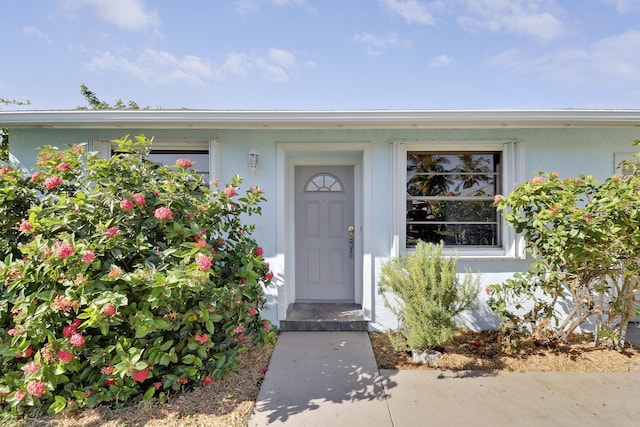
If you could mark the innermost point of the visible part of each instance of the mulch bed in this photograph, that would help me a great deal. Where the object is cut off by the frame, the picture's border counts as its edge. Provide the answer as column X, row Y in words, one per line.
column 483, row 351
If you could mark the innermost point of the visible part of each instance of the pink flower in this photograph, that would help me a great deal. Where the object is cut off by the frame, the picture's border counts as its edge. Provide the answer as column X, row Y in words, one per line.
column 62, row 249
column 497, row 198
column 107, row 370
column 140, row 376
column 5, row 170
column 126, row 204
column 183, row 380
column 157, row 385
column 109, row 310
column 185, row 163
column 259, row 251
column 163, row 213
column 77, row 340
column 255, row 189
column 63, row 304
column 487, row 290
column 239, row 329
column 253, row 312
column 203, row 261
column 109, row 382
column 15, row 331
column 19, row 396
column 139, row 199
column 52, row 182
column 63, row 166
column 114, row 272
column 68, row 331
column 202, row 338
column 88, row 257
column 588, row 218
column 230, row 191
column 112, row 231
column 25, row 225
column 36, row 388
column 30, row 368
column 36, row 176
column 28, row 352
column 266, row 325
column 207, row 379
column 268, row 277
column 537, row 179
column 65, row 356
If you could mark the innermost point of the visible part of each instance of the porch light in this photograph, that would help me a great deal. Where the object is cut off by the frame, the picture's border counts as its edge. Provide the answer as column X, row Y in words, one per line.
column 253, row 161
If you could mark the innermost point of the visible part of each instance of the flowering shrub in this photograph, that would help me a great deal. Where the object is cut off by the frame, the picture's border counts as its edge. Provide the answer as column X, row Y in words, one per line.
column 585, row 240
column 127, row 278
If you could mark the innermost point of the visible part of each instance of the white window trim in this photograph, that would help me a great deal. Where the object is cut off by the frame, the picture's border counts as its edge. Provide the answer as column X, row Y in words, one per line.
column 104, row 146
column 513, row 168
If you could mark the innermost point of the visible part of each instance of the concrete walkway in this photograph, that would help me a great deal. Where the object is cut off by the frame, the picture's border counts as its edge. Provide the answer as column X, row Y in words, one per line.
column 331, row 379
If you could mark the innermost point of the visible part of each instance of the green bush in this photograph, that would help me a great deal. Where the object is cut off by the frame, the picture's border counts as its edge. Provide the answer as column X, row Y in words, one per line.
column 133, row 278
column 584, row 238
column 427, row 296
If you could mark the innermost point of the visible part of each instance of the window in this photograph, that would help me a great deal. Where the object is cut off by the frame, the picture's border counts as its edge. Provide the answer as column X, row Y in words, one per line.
column 450, row 198
column 323, row 183
column 201, row 152
column 448, row 192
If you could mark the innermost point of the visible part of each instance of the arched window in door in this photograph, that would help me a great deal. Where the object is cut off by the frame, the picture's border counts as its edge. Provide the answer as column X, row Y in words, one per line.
column 323, row 182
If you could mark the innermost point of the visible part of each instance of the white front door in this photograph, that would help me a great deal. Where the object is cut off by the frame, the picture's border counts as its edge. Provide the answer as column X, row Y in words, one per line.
column 324, row 213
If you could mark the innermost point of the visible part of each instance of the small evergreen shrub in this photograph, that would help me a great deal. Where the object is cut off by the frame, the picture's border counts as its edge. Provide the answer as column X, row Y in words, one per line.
column 132, row 278
column 427, row 296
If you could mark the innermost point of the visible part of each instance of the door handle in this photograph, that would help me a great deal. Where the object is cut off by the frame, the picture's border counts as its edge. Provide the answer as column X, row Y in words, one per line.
column 350, row 231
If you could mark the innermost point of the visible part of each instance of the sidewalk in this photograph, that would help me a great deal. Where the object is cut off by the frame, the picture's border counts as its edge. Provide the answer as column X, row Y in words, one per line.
column 331, row 379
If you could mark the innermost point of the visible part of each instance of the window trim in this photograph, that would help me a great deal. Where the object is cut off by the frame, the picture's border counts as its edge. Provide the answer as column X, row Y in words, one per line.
column 513, row 167
column 104, row 146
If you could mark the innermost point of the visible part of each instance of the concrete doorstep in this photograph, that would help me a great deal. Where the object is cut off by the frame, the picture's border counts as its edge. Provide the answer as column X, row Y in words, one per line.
column 332, row 379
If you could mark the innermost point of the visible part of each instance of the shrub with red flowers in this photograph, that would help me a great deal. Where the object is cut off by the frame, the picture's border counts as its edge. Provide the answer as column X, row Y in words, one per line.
column 584, row 238
column 121, row 277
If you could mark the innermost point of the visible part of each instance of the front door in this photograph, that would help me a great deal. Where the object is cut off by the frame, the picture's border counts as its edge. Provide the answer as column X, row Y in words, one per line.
column 324, row 204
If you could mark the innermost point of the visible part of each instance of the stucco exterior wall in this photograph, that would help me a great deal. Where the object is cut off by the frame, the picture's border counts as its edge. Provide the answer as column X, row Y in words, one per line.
column 570, row 151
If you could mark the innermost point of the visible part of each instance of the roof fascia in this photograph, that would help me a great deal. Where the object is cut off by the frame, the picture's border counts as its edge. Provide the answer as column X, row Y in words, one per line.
column 358, row 119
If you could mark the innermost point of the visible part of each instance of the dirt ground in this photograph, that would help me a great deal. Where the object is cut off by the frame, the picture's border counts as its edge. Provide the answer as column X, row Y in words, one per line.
column 230, row 402
column 483, row 350
column 219, row 404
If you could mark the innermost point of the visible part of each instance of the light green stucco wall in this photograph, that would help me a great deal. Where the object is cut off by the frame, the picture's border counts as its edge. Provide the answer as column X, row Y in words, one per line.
column 570, row 151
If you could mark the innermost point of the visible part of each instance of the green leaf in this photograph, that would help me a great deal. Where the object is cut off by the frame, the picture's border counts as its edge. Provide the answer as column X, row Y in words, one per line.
column 148, row 394
column 58, row 405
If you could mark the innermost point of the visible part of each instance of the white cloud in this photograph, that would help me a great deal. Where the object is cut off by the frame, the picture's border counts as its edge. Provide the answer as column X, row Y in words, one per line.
column 39, row 34
column 277, row 65
column 287, row 2
column 609, row 62
column 532, row 18
column 625, row 6
column 238, row 64
column 129, row 15
column 412, row 11
column 156, row 67
column 441, row 61
column 374, row 45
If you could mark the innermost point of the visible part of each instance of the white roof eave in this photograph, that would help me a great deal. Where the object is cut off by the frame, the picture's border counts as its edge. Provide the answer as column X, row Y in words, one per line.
column 357, row 119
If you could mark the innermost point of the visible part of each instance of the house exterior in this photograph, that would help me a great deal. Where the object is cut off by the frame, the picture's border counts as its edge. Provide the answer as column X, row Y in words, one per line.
column 347, row 190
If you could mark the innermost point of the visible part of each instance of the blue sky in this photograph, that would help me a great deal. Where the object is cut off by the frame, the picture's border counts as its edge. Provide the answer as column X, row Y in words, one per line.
column 323, row 54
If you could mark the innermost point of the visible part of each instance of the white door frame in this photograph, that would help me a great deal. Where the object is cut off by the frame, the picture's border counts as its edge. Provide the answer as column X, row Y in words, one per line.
column 290, row 155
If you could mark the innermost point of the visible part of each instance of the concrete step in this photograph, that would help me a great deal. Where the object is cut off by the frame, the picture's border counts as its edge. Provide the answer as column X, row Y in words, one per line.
column 324, row 317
